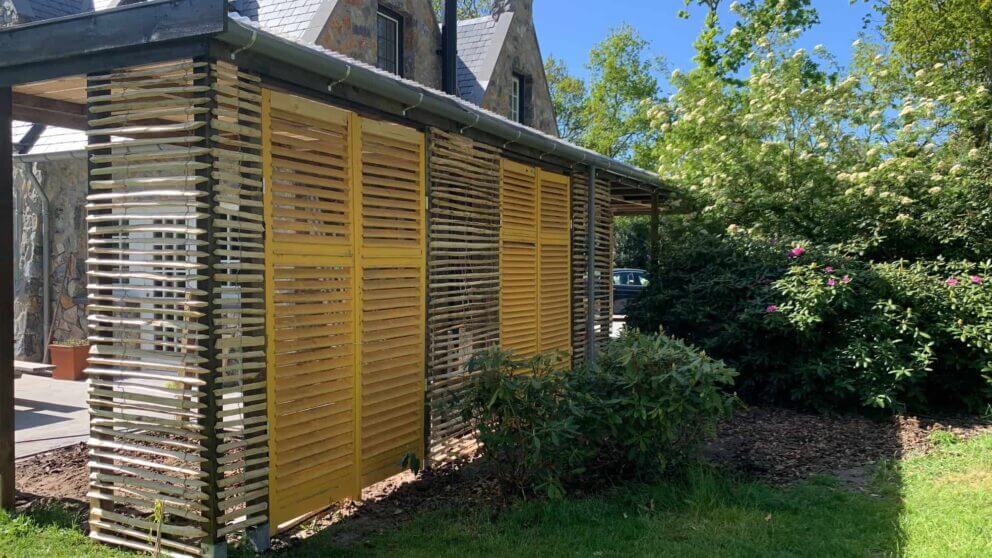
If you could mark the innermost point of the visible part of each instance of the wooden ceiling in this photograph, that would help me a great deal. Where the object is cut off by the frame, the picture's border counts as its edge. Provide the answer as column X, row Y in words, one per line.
column 58, row 102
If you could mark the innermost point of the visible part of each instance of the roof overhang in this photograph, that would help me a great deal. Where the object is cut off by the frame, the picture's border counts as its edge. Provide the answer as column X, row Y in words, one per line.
column 162, row 30
column 141, row 33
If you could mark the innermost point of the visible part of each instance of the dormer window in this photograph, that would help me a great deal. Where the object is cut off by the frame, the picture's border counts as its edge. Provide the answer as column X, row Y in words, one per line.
column 389, row 37
column 517, row 98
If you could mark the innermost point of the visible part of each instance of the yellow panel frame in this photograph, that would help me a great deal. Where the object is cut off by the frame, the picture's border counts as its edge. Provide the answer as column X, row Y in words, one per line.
column 536, row 236
column 354, row 255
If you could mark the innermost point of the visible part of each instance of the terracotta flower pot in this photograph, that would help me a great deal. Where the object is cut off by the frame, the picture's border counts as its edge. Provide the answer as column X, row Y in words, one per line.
column 69, row 361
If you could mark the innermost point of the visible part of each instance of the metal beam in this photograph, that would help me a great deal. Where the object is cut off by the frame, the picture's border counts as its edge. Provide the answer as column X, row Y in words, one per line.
column 591, row 267
column 141, row 33
column 653, row 233
column 6, row 301
column 28, row 141
column 50, row 48
column 41, row 110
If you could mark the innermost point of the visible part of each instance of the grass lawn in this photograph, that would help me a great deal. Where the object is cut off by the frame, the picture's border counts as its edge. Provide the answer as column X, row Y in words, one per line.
column 932, row 506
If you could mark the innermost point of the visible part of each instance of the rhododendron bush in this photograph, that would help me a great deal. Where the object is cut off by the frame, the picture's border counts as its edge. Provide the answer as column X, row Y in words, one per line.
column 833, row 230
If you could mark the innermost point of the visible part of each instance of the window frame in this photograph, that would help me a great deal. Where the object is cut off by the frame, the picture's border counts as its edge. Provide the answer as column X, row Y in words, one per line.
column 386, row 13
column 517, row 85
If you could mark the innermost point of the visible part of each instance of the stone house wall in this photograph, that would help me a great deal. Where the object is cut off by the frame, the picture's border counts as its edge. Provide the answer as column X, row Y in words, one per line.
column 64, row 181
column 521, row 55
column 351, row 30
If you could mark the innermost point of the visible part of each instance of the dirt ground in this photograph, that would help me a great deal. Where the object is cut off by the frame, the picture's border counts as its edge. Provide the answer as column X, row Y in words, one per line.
column 778, row 446
column 781, row 446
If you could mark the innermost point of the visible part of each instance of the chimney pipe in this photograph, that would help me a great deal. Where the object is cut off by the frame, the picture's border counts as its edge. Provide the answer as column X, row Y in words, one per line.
column 449, row 47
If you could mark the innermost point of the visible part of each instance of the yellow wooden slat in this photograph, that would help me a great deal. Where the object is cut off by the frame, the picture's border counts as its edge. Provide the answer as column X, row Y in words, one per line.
column 346, row 276
column 535, row 265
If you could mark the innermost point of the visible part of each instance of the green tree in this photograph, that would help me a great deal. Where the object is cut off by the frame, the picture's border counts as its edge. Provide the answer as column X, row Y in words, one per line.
column 955, row 34
column 467, row 9
column 728, row 52
column 622, row 89
column 568, row 96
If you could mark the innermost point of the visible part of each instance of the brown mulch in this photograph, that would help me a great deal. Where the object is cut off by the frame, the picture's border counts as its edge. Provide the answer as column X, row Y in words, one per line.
column 783, row 446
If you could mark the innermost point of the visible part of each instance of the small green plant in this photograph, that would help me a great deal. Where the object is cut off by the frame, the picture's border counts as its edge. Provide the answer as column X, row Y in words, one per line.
column 642, row 408
column 73, row 342
column 941, row 438
column 155, row 533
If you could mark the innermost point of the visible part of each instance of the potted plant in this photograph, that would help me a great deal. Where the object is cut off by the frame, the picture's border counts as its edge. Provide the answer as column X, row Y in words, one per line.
column 69, row 358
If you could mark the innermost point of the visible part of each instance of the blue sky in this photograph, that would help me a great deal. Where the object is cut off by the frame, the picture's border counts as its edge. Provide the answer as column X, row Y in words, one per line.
column 569, row 28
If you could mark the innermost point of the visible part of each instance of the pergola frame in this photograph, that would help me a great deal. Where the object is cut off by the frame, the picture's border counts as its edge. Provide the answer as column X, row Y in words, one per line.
column 163, row 30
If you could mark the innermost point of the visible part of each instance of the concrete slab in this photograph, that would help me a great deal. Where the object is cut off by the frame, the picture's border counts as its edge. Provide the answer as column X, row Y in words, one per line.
column 48, row 414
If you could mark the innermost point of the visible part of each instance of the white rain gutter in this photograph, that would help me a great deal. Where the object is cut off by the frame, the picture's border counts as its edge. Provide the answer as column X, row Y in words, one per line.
column 244, row 35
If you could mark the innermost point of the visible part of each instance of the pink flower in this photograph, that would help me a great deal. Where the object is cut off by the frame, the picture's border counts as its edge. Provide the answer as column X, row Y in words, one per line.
column 976, row 279
column 845, row 279
column 796, row 252
column 829, row 269
column 951, row 281
column 831, row 282
column 771, row 308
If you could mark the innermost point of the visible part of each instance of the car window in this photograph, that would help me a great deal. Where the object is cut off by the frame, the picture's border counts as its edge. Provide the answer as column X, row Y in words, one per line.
column 642, row 280
column 616, row 279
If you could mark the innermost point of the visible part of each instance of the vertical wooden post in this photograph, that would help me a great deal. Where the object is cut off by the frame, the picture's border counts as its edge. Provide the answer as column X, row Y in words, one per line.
column 428, row 199
column 653, row 232
column 213, row 546
column 591, row 267
column 6, row 301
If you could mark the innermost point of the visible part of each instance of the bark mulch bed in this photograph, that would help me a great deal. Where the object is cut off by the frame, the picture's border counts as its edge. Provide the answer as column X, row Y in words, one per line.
column 781, row 446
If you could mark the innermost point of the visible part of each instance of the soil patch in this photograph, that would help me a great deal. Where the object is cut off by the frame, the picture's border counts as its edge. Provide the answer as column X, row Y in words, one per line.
column 55, row 475
column 783, row 446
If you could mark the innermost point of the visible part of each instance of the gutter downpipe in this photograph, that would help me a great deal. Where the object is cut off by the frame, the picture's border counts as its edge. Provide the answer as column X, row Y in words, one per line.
column 246, row 37
column 45, row 264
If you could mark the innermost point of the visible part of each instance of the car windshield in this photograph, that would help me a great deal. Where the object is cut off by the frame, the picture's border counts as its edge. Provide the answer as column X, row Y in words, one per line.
column 630, row 278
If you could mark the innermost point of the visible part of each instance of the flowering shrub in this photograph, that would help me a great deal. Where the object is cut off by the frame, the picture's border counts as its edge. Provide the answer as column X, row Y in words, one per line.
column 642, row 408
column 829, row 331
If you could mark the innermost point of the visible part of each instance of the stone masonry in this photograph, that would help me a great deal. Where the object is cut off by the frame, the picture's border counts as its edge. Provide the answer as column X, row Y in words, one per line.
column 351, row 30
column 521, row 55
column 64, row 181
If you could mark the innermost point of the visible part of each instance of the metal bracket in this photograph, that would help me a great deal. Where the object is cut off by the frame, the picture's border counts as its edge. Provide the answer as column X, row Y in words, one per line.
column 411, row 107
column 514, row 140
column 472, row 125
column 251, row 43
column 347, row 74
column 552, row 152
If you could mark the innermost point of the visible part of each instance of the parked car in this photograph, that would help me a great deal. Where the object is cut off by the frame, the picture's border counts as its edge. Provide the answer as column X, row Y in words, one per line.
column 627, row 284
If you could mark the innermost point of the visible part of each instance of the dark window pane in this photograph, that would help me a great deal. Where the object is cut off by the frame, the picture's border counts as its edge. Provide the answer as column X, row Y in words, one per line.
column 387, row 35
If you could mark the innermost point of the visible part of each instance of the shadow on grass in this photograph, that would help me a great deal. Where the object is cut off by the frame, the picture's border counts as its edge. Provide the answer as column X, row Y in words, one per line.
column 705, row 511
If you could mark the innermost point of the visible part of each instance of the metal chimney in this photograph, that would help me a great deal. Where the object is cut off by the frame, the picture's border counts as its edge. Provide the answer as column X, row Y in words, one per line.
column 449, row 48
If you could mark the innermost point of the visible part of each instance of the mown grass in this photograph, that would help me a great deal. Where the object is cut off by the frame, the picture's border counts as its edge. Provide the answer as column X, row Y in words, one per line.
column 936, row 505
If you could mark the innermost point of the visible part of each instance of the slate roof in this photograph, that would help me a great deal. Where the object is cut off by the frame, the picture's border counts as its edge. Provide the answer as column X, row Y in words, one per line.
column 289, row 18
column 480, row 40
column 35, row 10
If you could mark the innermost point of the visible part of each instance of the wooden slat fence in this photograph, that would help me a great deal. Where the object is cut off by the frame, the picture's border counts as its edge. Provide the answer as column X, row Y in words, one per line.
column 147, row 213
column 463, row 287
column 345, row 256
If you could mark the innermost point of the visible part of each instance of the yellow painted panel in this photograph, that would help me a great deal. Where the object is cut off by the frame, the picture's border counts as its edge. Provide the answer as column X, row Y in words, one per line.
column 392, row 328
column 310, row 282
column 345, row 244
column 535, row 266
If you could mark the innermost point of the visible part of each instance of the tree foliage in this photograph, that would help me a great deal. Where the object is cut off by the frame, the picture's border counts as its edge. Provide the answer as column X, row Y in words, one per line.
column 610, row 113
column 568, row 96
column 882, row 169
column 467, row 9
